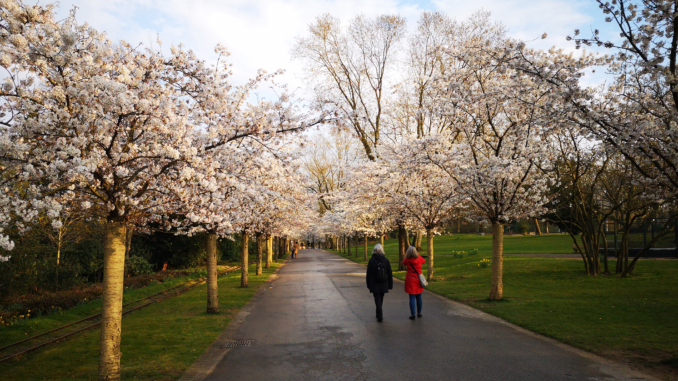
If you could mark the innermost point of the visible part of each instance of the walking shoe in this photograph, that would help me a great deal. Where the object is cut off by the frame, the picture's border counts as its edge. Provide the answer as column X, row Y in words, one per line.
column 419, row 316
column 412, row 317
column 380, row 319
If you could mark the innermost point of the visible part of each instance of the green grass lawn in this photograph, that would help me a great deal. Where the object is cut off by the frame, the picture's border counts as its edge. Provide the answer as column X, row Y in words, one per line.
column 159, row 342
column 29, row 327
column 513, row 244
column 609, row 315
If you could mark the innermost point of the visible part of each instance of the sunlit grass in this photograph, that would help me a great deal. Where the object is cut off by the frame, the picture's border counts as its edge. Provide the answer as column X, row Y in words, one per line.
column 159, row 342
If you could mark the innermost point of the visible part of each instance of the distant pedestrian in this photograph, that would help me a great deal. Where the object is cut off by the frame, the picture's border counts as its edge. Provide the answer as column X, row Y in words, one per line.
column 295, row 250
column 413, row 262
column 379, row 278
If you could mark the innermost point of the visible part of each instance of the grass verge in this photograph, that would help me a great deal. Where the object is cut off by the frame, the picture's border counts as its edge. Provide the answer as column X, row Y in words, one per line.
column 159, row 342
column 631, row 319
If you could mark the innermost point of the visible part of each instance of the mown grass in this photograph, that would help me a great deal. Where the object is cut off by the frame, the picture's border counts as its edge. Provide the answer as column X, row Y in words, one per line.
column 29, row 327
column 513, row 244
column 159, row 342
column 633, row 316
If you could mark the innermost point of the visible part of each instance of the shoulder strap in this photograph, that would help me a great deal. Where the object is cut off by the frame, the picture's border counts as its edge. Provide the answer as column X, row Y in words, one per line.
column 414, row 268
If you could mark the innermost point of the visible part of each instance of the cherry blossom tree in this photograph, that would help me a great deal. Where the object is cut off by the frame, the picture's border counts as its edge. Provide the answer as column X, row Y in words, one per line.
column 636, row 114
column 503, row 117
column 422, row 188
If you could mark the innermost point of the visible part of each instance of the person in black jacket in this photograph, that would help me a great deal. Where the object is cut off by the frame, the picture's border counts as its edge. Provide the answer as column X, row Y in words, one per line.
column 379, row 278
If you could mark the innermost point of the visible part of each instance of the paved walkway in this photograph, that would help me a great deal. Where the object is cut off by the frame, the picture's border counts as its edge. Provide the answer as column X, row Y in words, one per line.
column 316, row 321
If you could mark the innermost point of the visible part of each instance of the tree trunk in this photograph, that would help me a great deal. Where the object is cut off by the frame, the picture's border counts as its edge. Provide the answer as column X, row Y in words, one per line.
column 417, row 239
column 269, row 251
column 60, row 240
column 244, row 274
column 260, row 251
column 381, row 239
column 111, row 314
column 429, row 246
column 497, row 290
column 365, row 237
column 607, row 268
column 547, row 227
column 407, row 239
column 212, row 287
column 538, row 229
column 356, row 245
column 401, row 247
column 129, row 232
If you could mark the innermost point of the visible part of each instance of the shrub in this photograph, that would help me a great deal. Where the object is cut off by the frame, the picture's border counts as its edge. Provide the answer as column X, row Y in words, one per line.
column 523, row 227
column 178, row 251
column 135, row 266
column 230, row 248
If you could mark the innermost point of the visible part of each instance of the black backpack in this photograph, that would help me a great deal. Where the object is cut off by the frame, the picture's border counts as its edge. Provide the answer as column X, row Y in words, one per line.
column 381, row 272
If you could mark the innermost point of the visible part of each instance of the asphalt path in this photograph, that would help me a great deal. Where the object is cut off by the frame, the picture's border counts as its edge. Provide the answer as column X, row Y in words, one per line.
column 317, row 321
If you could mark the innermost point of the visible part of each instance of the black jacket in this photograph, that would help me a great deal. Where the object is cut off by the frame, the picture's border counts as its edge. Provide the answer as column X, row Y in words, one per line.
column 371, row 277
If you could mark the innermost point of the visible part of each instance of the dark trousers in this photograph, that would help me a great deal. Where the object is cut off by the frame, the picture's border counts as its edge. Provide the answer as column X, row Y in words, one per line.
column 416, row 297
column 379, row 300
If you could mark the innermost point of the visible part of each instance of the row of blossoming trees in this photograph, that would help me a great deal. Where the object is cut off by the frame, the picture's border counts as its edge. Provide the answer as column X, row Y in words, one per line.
column 143, row 140
column 482, row 127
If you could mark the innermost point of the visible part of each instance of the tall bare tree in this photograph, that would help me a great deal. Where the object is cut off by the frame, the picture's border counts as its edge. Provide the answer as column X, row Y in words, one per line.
column 348, row 68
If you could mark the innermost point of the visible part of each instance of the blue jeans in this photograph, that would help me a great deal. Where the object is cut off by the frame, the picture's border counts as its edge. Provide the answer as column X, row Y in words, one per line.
column 418, row 299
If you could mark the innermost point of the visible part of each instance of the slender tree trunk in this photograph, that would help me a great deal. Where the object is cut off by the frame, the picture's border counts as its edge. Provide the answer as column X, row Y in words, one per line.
column 381, row 239
column 111, row 315
column 60, row 240
column 407, row 238
column 365, row 236
column 244, row 274
column 129, row 232
column 401, row 247
column 429, row 246
column 269, row 251
column 607, row 268
column 547, row 227
column 356, row 245
column 212, row 287
column 260, row 250
column 497, row 290
column 538, row 229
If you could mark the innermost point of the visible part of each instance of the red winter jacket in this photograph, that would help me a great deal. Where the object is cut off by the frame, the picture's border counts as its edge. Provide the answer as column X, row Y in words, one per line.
column 412, row 285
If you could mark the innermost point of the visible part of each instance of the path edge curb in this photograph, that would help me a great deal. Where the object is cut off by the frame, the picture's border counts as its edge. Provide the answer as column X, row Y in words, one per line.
column 613, row 368
column 209, row 360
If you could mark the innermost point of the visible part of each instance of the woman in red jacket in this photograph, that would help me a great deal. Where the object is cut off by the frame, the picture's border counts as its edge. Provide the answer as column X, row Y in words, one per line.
column 413, row 262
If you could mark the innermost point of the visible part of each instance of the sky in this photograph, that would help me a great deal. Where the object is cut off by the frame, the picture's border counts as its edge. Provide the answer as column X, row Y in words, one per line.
column 261, row 33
